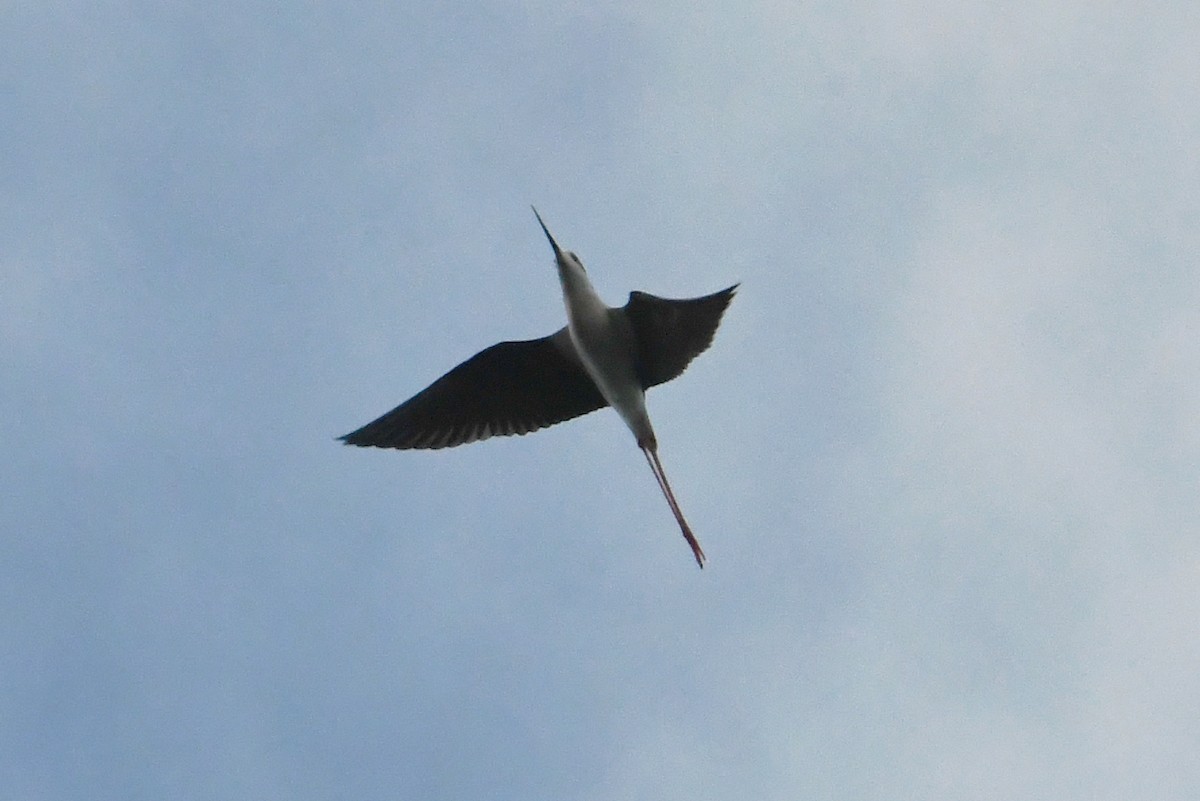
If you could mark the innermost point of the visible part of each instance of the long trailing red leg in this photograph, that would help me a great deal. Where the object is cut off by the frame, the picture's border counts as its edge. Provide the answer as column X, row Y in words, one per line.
column 656, row 467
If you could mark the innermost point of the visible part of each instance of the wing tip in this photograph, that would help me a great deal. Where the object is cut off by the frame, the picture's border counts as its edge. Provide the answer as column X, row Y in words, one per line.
column 360, row 438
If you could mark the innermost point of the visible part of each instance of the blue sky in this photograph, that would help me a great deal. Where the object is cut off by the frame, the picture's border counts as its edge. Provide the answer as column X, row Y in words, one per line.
column 943, row 455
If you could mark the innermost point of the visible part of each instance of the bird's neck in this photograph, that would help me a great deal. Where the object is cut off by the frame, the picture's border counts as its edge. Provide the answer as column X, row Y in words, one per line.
column 580, row 297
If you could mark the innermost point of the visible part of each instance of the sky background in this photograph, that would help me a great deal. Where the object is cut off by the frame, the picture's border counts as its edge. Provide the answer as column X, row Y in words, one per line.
column 943, row 455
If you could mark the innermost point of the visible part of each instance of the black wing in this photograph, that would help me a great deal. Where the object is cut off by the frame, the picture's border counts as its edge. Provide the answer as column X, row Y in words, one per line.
column 670, row 333
column 510, row 388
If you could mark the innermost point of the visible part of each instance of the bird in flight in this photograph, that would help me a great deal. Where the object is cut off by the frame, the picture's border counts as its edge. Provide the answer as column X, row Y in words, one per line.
column 604, row 356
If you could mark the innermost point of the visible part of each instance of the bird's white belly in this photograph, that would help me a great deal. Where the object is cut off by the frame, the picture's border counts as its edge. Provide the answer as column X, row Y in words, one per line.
column 607, row 353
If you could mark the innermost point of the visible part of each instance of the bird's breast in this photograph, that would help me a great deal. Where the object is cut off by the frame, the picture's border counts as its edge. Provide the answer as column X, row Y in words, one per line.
column 604, row 341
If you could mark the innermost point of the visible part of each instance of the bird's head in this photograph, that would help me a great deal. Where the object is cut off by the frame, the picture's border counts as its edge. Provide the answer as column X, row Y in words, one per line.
column 569, row 265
